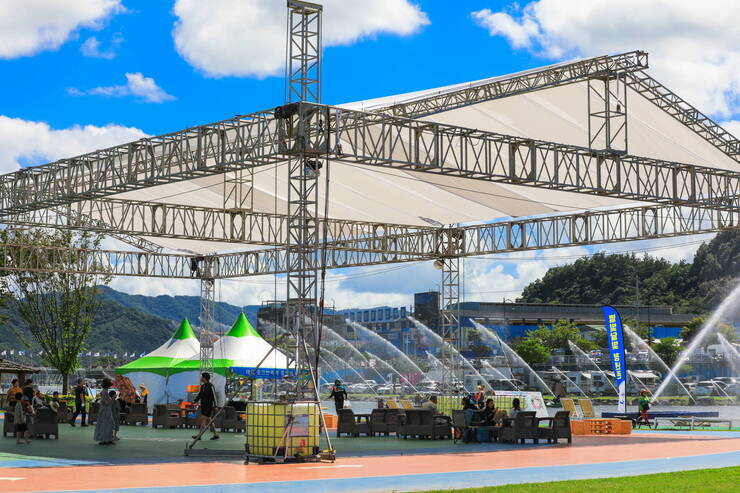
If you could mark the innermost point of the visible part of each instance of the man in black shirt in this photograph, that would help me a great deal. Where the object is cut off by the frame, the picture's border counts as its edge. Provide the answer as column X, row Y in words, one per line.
column 80, row 402
column 339, row 395
column 207, row 398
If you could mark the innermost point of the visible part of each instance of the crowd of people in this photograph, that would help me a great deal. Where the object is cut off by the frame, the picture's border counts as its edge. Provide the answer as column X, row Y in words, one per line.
column 24, row 401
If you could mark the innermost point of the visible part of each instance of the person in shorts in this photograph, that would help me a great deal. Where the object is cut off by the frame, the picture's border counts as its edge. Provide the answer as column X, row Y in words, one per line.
column 22, row 410
column 207, row 398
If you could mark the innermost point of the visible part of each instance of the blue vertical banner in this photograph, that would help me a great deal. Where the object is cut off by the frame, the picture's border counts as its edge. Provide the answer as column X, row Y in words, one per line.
column 615, row 338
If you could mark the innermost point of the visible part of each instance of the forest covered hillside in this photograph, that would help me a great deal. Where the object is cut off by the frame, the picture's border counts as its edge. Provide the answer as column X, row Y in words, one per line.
column 690, row 287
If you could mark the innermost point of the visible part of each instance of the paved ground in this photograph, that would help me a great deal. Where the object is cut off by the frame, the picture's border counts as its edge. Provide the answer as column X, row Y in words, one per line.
column 148, row 460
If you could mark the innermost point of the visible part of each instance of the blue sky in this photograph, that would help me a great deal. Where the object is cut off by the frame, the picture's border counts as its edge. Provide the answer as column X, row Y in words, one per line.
column 84, row 74
column 450, row 49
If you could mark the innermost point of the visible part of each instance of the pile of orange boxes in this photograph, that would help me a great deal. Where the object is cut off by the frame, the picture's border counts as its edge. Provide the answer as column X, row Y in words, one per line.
column 331, row 421
column 601, row 427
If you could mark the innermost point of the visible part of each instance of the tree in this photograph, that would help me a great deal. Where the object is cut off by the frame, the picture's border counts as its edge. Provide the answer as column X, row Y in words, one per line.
column 475, row 344
column 668, row 350
column 695, row 325
column 692, row 328
column 557, row 336
column 533, row 351
column 57, row 304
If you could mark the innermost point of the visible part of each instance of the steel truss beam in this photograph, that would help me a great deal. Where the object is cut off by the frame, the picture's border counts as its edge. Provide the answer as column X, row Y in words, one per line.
column 583, row 228
column 415, row 145
column 216, row 148
column 682, row 111
column 84, row 222
column 132, row 217
column 370, row 139
column 503, row 87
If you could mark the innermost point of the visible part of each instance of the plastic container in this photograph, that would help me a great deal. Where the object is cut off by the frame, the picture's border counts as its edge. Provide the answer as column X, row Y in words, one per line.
column 280, row 429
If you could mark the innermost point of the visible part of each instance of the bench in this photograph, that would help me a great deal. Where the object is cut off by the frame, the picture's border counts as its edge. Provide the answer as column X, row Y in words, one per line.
column 694, row 422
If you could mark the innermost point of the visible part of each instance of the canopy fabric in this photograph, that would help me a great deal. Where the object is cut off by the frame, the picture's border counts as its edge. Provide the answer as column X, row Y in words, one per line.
column 156, row 368
column 241, row 347
column 182, row 345
column 380, row 194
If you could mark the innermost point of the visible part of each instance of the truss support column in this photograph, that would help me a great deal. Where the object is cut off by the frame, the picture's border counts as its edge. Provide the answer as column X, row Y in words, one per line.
column 303, row 72
column 207, row 305
column 607, row 112
column 450, row 320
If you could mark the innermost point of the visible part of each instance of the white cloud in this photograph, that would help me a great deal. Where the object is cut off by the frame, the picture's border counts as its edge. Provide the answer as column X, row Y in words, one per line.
column 247, row 37
column 143, row 88
column 694, row 46
column 23, row 141
column 519, row 33
column 30, row 26
column 732, row 126
column 92, row 48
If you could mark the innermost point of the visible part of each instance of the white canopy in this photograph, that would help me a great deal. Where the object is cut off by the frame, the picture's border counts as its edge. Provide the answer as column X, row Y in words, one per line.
column 367, row 193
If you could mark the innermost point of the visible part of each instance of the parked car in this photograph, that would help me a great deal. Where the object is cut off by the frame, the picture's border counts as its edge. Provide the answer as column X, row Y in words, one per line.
column 709, row 387
column 726, row 380
column 733, row 389
column 385, row 389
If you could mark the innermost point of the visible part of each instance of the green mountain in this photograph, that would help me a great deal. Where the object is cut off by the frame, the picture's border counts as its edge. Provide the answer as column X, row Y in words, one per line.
column 696, row 286
column 116, row 329
column 126, row 323
column 178, row 307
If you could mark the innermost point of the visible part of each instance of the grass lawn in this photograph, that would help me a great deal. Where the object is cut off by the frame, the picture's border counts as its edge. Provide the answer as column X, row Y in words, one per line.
column 699, row 481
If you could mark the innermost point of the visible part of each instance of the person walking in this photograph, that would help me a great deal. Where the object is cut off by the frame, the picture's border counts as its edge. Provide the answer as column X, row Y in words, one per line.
column 80, row 402
column 339, row 395
column 21, row 412
column 104, row 426
column 644, row 406
column 116, row 411
column 208, row 402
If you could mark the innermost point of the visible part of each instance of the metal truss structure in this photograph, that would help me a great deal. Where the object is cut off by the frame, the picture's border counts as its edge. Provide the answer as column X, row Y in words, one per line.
column 305, row 160
column 681, row 110
column 135, row 219
column 607, row 113
column 374, row 139
column 306, row 136
column 503, row 87
column 557, row 231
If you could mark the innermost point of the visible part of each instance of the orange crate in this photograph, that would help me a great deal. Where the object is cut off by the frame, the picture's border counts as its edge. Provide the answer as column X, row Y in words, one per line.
column 577, row 427
column 623, row 427
column 331, row 421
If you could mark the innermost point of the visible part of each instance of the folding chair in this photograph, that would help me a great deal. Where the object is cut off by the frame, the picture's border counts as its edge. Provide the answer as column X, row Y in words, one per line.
column 587, row 408
column 570, row 406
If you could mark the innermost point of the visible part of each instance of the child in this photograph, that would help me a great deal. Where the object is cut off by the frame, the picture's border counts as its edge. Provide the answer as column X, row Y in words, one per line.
column 22, row 409
column 644, row 406
column 116, row 410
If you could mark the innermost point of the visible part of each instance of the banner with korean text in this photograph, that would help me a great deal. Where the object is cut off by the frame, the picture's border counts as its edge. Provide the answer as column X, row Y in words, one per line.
column 615, row 338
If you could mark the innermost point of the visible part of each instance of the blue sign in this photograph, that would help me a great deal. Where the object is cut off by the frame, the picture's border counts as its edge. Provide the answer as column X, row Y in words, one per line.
column 263, row 373
column 615, row 339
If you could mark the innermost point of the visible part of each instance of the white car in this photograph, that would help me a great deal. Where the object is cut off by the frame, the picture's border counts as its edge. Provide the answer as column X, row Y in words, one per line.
column 709, row 387
column 385, row 389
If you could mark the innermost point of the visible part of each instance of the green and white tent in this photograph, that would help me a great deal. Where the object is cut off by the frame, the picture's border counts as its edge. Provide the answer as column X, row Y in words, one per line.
column 155, row 369
column 240, row 348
